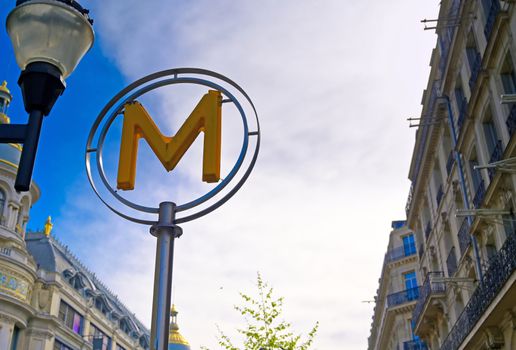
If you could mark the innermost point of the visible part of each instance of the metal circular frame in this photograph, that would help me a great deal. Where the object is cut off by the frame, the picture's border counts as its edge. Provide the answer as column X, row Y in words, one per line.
column 141, row 91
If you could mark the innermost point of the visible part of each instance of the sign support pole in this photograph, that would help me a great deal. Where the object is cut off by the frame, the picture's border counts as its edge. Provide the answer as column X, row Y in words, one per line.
column 166, row 232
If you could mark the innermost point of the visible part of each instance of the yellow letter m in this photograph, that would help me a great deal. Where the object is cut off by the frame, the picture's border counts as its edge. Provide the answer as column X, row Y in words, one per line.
column 206, row 117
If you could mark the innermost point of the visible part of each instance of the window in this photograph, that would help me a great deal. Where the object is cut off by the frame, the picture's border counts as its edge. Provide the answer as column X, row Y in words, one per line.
column 71, row 318
column 100, row 340
column 460, row 98
column 507, row 75
column 58, row 345
column 476, row 178
column 119, row 347
column 490, row 135
column 2, row 205
column 474, row 59
column 409, row 246
column 101, row 305
column 144, row 343
column 411, row 285
column 76, row 283
column 473, row 56
column 494, row 145
column 124, row 326
column 14, row 339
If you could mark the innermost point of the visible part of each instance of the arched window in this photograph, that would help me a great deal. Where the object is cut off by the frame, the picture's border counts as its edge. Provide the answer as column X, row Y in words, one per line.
column 2, row 206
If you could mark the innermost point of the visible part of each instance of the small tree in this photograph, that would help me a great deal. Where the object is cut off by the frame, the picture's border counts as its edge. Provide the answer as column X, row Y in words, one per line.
column 264, row 330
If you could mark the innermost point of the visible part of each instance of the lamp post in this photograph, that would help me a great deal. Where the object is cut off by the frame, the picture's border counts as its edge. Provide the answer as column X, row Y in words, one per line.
column 49, row 38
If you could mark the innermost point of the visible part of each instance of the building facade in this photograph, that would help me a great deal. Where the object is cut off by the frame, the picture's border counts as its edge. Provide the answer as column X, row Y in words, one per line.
column 48, row 299
column 462, row 198
column 397, row 294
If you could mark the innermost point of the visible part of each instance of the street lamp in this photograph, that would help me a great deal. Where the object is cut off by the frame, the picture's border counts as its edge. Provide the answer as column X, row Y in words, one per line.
column 49, row 38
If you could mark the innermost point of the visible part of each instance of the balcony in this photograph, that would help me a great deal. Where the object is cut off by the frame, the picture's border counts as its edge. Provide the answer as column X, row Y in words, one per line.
column 416, row 344
column 451, row 262
column 464, row 237
column 429, row 290
column 475, row 69
column 479, row 194
column 491, row 17
column 399, row 253
column 449, row 163
column 403, row 297
column 500, row 270
column 511, row 120
column 440, row 194
column 496, row 155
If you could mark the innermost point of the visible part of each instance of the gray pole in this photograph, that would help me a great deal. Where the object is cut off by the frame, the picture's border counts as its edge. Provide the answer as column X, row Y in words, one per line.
column 165, row 231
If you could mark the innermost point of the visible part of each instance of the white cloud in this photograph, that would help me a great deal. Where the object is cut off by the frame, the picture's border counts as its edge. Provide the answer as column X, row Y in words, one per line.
column 333, row 82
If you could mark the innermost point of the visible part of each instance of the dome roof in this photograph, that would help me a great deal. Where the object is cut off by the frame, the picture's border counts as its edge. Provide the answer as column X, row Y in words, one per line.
column 175, row 340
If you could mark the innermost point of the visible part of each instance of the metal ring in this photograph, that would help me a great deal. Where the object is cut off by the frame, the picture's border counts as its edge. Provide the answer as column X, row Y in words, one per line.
column 170, row 81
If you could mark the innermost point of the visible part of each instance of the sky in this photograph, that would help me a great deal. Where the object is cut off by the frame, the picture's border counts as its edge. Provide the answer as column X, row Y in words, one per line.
column 333, row 82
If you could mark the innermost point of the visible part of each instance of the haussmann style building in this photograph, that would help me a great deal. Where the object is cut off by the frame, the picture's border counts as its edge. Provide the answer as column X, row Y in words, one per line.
column 48, row 299
column 461, row 204
column 397, row 294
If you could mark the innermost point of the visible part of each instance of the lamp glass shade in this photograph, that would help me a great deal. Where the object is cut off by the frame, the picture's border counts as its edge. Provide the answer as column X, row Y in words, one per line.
column 49, row 31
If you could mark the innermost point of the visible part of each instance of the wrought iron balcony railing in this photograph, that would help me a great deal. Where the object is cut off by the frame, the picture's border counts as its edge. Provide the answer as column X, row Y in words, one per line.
column 449, row 163
column 439, row 195
column 491, row 16
column 511, row 120
column 479, row 194
column 451, row 262
column 428, row 229
column 475, row 69
column 500, row 270
column 416, row 344
column 400, row 253
column 403, row 297
column 496, row 155
column 464, row 237
column 428, row 289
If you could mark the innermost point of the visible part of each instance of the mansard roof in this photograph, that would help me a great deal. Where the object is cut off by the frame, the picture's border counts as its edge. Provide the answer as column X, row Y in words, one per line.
column 53, row 256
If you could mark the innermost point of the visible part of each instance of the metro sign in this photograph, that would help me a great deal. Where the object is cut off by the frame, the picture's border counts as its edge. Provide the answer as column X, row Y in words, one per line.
column 217, row 92
column 206, row 118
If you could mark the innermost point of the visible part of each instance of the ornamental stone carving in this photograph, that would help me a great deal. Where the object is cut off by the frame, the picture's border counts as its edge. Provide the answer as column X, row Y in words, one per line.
column 493, row 338
column 44, row 298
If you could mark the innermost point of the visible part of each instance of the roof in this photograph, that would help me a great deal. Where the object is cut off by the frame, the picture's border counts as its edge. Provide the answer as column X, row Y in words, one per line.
column 175, row 340
column 53, row 256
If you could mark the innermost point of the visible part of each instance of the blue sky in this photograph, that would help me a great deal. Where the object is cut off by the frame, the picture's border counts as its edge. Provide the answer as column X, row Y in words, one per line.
column 60, row 162
column 333, row 82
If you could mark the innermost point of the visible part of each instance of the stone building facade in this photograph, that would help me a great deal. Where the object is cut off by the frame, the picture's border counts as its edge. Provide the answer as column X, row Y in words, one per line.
column 397, row 294
column 461, row 203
